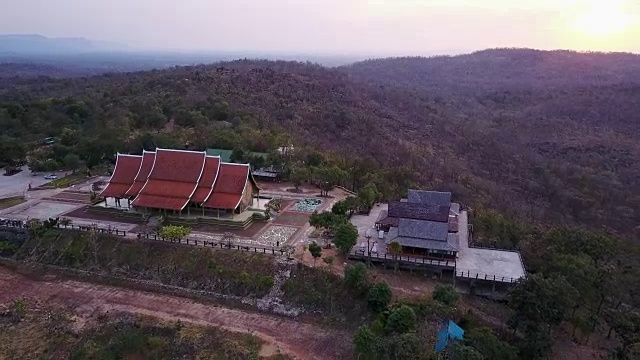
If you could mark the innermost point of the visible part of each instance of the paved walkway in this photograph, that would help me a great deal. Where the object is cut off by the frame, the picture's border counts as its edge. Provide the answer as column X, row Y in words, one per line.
column 503, row 264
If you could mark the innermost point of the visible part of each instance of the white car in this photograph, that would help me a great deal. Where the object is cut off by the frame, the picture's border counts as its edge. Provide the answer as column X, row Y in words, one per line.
column 51, row 177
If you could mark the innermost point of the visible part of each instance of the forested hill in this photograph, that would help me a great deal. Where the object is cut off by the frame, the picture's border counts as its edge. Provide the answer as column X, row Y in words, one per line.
column 555, row 155
column 501, row 69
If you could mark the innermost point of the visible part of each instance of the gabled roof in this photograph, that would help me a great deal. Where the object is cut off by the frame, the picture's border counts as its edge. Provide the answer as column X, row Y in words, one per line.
column 418, row 211
column 423, row 229
column 123, row 175
column 429, row 197
column 416, row 235
column 209, row 176
column 148, row 158
column 225, row 155
column 229, row 187
column 173, row 179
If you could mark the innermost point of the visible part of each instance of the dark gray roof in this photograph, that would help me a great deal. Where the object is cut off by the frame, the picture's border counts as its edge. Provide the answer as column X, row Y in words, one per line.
column 451, row 243
column 423, row 229
column 418, row 211
column 384, row 219
column 383, row 215
column 429, row 197
column 425, row 244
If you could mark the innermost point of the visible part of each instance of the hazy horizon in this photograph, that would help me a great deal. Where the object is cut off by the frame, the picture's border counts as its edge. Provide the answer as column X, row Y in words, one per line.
column 333, row 27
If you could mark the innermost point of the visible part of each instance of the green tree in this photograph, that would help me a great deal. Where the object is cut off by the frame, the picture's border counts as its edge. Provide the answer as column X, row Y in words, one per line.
column 626, row 324
column 401, row 320
column 314, row 159
column 316, row 251
column 460, row 351
column 540, row 303
column 379, row 297
column 326, row 220
column 51, row 165
column 174, row 232
column 328, row 178
column 340, row 208
column 238, row 155
column 356, row 276
column 400, row 347
column 346, row 237
column 365, row 341
column 298, row 175
column 72, row 162
column 351, row 204
column 487, row 344
column 446, row 294
column 367, row 196
column 12, row 151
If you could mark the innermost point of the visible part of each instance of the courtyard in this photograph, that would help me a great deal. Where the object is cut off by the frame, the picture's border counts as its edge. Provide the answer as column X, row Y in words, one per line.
column 503, row 265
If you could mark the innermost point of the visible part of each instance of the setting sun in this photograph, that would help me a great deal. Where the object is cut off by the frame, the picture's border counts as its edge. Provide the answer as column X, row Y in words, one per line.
column 602, row 18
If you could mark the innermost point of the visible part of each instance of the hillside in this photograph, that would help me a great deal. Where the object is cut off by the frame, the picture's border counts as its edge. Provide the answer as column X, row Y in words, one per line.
column 500, row 70
column 557, row 154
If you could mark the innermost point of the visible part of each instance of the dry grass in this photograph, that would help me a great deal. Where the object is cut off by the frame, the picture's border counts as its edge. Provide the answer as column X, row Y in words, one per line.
column 11, row 202
column 57, row 333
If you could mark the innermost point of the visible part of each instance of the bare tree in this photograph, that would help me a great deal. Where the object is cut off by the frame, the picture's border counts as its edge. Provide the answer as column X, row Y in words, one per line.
column 228, row 238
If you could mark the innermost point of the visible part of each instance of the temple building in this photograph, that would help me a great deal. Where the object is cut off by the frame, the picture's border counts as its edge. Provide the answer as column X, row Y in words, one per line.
column 181, row 182
column 424, row 224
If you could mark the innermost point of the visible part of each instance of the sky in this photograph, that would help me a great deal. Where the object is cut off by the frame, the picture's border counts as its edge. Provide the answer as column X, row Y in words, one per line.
column 346, row 27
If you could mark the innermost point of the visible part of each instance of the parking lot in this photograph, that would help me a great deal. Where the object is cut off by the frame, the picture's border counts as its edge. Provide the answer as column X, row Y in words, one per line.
column 19, row 183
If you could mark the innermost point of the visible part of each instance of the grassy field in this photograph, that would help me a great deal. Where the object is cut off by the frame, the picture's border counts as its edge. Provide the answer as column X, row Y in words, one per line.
column 67, row 180
column 11, row 202
column 47, row 333
column 221, row 271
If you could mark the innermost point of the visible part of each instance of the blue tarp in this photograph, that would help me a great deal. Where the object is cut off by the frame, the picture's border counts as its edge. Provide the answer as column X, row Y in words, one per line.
column 450, row 330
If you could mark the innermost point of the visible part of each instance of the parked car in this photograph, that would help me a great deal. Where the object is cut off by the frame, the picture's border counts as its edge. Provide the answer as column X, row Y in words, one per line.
column 51, row 177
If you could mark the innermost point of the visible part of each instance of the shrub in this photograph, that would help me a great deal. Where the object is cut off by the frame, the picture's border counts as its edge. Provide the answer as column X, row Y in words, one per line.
column 364, row 340
column 401, row 320
column 379, row 297
column 357, row 277
column 346, row 237
column 446, row 294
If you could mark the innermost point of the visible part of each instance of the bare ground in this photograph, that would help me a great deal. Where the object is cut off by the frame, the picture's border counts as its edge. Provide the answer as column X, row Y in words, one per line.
column 302, row 340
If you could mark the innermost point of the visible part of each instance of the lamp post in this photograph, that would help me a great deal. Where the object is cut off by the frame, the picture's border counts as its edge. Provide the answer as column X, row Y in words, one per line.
column 367, row 234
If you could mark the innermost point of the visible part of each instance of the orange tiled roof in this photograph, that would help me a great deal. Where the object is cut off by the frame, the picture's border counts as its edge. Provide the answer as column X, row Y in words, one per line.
column 228, row 189
column 209, row 176
column 169, row 179
column 148, row 157
column 123, row 175
column 173, row 179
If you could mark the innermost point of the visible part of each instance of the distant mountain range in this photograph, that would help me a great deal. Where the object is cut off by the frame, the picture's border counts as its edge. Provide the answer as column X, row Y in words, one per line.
column 37, row 55
column 38, row 44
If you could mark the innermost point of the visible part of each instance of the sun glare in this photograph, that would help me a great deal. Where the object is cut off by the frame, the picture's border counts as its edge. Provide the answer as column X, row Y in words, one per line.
column 602, row 18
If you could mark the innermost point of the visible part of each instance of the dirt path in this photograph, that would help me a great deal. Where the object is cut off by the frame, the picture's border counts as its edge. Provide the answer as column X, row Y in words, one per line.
column 304, row 341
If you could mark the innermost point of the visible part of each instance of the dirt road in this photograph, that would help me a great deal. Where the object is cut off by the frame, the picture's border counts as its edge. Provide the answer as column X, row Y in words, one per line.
column 304, row 341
